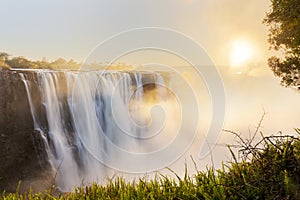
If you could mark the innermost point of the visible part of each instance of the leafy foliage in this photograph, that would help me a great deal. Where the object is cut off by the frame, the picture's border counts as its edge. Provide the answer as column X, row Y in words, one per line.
column 284, row 34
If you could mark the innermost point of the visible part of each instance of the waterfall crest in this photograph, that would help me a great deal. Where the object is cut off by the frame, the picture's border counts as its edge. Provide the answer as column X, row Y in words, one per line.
column 87, row 118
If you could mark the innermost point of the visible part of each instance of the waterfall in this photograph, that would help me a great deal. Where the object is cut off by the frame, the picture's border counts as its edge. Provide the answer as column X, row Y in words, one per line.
column 88, row 112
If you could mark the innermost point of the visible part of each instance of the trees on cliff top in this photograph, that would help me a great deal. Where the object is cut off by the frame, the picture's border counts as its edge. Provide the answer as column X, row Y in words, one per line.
column 23, row 63
column 60, row 63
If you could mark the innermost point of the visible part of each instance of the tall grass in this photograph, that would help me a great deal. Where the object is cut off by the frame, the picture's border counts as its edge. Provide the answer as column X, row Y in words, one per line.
column 270, row 169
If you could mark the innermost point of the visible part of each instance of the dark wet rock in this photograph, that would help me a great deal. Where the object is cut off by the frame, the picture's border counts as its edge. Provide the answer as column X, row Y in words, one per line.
column 20, row 145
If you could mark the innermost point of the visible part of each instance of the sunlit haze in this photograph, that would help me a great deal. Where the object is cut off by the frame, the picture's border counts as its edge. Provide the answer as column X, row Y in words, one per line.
column 241, row 52
column 230, row 31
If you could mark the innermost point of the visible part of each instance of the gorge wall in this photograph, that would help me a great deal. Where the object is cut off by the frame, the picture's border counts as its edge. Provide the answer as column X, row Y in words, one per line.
column 21, row 150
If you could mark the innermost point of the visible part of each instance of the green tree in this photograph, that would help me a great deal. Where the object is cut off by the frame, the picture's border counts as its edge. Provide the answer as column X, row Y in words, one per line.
column 4, row 56
column 283, row 21
column 60, row 63
column 20, row 62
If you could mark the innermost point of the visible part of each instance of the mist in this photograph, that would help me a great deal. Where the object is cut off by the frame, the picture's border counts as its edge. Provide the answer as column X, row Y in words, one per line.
column 72, row 30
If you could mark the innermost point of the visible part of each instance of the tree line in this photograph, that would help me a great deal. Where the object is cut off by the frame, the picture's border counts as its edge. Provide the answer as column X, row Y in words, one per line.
column 8, row 62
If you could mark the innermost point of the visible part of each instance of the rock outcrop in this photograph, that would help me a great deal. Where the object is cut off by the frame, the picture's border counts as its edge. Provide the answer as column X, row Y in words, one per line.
column 21, row 148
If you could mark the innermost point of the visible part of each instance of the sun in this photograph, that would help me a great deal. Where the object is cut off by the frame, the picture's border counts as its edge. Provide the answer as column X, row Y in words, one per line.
column 241, row 53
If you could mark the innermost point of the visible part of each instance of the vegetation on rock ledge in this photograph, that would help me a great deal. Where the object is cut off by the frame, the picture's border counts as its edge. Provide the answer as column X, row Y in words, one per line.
column 8, row 62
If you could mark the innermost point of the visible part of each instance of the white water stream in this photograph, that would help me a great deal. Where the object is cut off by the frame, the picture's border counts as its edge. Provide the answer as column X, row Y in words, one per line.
column 92, row 115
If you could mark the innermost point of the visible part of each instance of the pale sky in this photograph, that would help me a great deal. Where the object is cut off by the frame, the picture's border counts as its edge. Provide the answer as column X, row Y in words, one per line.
column 72, row 28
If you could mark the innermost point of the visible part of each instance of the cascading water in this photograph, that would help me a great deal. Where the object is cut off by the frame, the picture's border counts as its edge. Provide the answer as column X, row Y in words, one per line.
column 86, row 113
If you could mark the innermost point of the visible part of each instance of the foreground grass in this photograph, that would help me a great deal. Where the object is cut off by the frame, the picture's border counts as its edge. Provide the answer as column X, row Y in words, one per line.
column 269, row 169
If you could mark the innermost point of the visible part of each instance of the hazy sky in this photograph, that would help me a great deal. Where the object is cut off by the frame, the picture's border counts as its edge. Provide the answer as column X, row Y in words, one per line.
column 72, row 28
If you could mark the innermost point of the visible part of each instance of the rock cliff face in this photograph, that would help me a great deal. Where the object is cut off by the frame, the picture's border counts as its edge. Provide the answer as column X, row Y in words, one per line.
column 21, row 148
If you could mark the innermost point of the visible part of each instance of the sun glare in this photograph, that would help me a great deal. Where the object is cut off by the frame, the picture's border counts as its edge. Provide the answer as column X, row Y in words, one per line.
column 241, row 53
